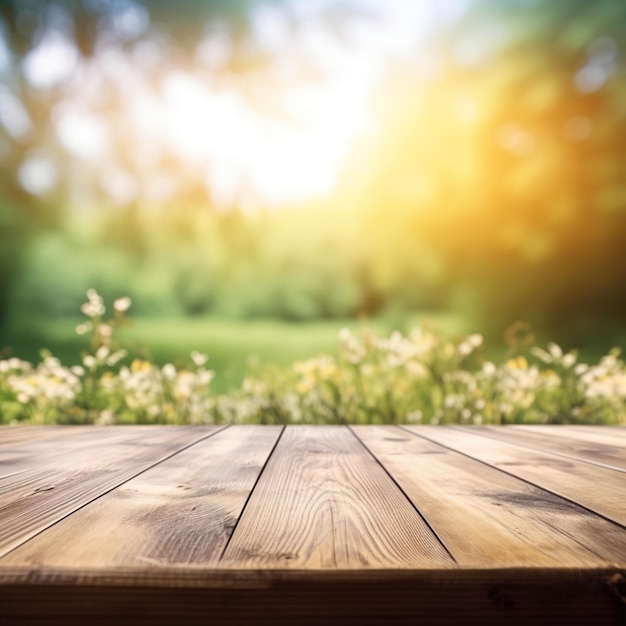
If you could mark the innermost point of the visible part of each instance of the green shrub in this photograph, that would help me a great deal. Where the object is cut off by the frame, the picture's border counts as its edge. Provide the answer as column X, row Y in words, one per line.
column 419, row 377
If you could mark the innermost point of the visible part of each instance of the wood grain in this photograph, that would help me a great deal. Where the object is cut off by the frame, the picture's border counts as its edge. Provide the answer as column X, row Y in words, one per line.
column 181, row 511
column 311, row 525
column 607, row 431
column 313, row 598
column 77, row 471
column 323, row 502
column 597, row 488
column 489, row 519
column 610, row 456
column 40, row 449
column 25, row 446
column 604, row 435
column 16, row 435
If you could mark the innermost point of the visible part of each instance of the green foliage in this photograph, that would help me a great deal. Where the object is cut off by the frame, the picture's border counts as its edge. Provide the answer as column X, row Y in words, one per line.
column 414, row 378
column 492, row 185
column 421, row 378
column 105, row 388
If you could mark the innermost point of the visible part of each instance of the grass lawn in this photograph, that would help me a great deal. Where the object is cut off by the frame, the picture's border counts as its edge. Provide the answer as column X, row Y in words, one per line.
column 234, row 347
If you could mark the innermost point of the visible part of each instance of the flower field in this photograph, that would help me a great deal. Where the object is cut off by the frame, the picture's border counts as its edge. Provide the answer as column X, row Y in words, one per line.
column 420, row 377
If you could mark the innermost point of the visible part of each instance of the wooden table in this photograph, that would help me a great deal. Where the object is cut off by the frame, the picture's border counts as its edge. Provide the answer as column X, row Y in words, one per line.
column 312, row 525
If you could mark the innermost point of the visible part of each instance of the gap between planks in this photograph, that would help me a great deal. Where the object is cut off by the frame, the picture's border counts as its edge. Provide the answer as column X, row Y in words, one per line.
column 324, row 503
column 597, row 489
column 486, row 517
column 602, row 455
column 39, row 498
column 180, row 512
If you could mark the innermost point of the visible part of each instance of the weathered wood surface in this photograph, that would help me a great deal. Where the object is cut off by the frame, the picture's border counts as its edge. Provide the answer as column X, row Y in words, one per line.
column 180, row 512
column 362, row 525
column 569, row 444
column 486, row 517
column 323, row 502
column 599, row 489
column 56, row 477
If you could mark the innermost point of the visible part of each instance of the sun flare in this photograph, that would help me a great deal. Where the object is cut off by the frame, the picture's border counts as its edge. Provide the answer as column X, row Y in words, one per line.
column 255, row 156
column 273, row 130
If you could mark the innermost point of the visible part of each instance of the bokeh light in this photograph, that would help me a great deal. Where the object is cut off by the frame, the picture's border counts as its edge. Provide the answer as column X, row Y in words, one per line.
column 309, row 159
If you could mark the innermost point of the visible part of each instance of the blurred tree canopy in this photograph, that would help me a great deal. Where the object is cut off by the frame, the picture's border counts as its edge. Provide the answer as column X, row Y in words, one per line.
column 522, row 187
column 491, row 179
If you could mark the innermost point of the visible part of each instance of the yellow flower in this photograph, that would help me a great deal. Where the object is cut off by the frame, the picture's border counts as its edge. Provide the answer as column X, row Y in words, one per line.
column 140, row 366
column 520, row 363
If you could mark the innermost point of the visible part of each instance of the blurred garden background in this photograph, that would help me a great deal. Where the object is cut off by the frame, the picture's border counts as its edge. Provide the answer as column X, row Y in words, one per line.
column 258, row 174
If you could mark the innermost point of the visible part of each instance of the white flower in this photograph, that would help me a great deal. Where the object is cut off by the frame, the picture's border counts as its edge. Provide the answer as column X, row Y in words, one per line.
column 555, row 350
column 414, row 417
column 555, row 355
column 105, row 418
column 544, row 356
column 92, row 310
column 102, row 353
column 475, row 340
column 345, row 335
column 351, row 346
column 17, row 364
column 470, row 344
column 416, row 369
column 205, row 377
column 464, row 349
column 81, row 329
column 116, row 357
column 122, row 304
column 94, row 307
column 449, row 401
column 198, row 358
column 489, row 369
column 105, row 330
column 89, row 361
column 168, row 371
column 568, row 360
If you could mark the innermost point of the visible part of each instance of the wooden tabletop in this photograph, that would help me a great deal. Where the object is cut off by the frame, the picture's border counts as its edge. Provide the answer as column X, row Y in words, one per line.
column 313, row 524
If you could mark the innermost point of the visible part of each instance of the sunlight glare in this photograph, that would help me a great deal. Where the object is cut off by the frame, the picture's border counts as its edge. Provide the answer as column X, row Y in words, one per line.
column 282, row 135
column 278, row 159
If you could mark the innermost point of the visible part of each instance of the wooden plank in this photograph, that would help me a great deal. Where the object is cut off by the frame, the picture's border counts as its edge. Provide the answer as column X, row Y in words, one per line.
column 597, row 488
column 29, row 459
column 24, row 446
column 16, row 435
column 603, row 435
column 313, row 597
column 324, row 502
column 611, row 432
column 80, row 470
column 181, row 511
column 50, row 448
column 613, row 457
column 489, row 519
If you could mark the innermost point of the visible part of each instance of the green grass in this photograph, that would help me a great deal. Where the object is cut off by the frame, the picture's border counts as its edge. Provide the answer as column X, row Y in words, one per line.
column 444, row 380
column 234, row 347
